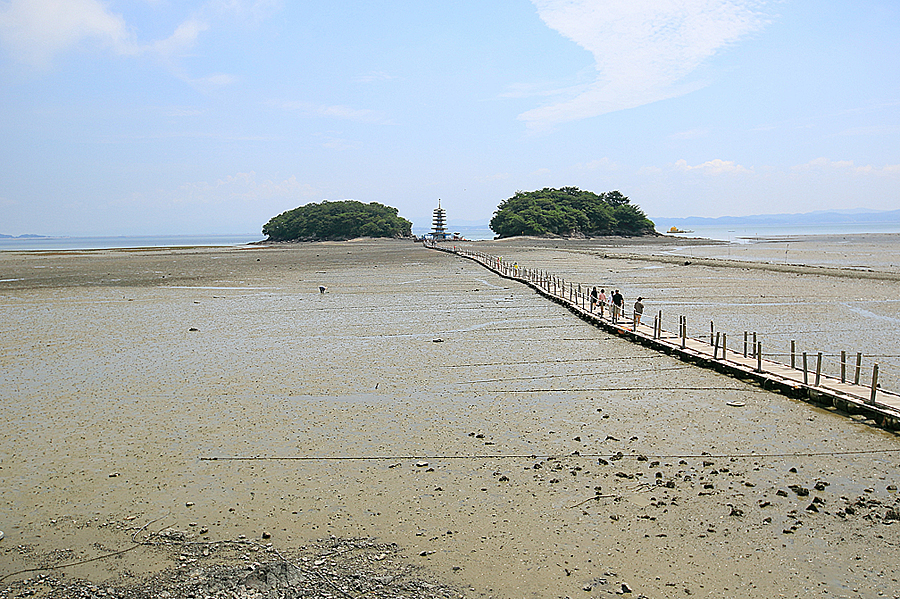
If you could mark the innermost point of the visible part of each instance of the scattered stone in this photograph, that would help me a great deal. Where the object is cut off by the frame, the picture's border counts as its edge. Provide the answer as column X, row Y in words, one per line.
column 800, row 491
column 114, row 474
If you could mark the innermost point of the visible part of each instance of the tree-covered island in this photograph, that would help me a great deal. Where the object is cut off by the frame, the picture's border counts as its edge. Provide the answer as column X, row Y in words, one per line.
column 569, row 212
column 341, row 220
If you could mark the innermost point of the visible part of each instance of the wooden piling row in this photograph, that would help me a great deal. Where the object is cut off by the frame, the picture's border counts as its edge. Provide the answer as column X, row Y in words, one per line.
column 880, row 405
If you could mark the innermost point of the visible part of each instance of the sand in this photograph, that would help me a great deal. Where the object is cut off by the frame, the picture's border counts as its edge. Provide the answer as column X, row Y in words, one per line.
column 457, row 415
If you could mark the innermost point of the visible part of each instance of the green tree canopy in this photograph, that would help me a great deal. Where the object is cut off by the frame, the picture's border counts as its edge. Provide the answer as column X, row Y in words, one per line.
column 568, row 212
column 337, row 220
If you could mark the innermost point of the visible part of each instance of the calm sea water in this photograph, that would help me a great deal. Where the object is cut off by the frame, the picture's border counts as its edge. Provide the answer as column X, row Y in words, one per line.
column 732, row 233
column 99, row 243
column 752, row 233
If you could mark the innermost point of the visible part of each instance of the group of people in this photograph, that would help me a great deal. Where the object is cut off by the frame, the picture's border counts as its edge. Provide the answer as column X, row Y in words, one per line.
column 616, row 305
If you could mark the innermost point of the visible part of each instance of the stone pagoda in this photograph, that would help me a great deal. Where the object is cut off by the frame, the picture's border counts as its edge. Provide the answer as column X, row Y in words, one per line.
column 439, row 224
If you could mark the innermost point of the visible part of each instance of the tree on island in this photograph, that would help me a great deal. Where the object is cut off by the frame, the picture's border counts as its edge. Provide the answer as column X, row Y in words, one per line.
column 337, row 221
column 569, row 212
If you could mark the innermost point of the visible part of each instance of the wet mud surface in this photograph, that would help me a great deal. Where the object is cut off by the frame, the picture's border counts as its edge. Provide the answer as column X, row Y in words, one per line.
column 483, row 439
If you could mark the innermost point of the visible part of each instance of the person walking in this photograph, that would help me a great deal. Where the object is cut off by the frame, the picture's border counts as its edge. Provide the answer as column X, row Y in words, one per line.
column 638, row 312
column 618, row 303
column 594, row 297
column 601, row 299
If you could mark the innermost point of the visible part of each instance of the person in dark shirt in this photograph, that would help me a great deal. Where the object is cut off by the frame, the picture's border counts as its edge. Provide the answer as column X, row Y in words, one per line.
column 618, row 302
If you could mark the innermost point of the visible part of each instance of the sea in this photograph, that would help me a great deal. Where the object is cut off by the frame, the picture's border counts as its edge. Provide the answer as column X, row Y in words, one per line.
column 760, row 233
column 102, row 243
column 732, row 233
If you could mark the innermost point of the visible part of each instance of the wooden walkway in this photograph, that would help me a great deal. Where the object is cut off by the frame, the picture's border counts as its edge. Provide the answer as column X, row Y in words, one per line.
column 749, row 364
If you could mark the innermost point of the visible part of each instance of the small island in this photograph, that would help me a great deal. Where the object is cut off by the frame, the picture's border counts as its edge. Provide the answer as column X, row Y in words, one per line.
column 337, row 221
column 570, row 212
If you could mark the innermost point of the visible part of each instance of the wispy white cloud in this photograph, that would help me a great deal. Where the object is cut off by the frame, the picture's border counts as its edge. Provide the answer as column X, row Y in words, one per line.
column 691, row 134
column 374, row 76
column 713, row 167
column 824, row 165
column 644, row 50
column 240, row 186
column 337, row 111
column 604, row 164
column 35, row 31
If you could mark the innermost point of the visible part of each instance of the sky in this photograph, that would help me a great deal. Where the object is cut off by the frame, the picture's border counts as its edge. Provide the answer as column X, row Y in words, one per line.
column 164, row 117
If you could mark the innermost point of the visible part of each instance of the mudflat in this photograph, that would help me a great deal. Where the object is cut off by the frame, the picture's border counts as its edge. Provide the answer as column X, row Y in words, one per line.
column 197, row 408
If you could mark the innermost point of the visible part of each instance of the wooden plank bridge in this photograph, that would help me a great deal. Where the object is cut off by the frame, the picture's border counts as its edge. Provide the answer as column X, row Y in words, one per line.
column 803, row 381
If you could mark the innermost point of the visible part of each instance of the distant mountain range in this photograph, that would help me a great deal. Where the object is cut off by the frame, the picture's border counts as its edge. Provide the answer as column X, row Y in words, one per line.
column 29, row 236
column 819, row 217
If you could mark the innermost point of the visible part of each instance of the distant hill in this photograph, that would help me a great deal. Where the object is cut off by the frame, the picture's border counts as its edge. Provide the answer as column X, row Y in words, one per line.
column 821, row 217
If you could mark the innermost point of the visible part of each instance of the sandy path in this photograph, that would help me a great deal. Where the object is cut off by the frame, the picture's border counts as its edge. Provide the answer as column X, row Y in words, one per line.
column 416, row 356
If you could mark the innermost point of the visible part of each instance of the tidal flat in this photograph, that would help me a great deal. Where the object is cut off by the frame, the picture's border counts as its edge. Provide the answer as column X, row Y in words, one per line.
column 456, row 427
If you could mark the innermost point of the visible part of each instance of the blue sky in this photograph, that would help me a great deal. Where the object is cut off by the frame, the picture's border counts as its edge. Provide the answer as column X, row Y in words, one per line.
column 163, row 117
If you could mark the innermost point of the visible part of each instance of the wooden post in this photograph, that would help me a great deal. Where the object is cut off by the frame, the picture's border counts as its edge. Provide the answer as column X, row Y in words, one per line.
column 659, row 324
column 874, row 383
column 745, row 344
column 754, row 340
column 724, row 347
column 818, row 368
column 805, row 376
column 843, row 366
column 683, row 332
column 858, row 368
column 793, row 353
column 759, row 357
column 716, row 348
column 711, row 329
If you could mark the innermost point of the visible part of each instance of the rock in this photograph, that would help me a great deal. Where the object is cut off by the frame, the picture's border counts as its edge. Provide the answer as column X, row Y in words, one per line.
column 800, row 491
column 626, row 588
